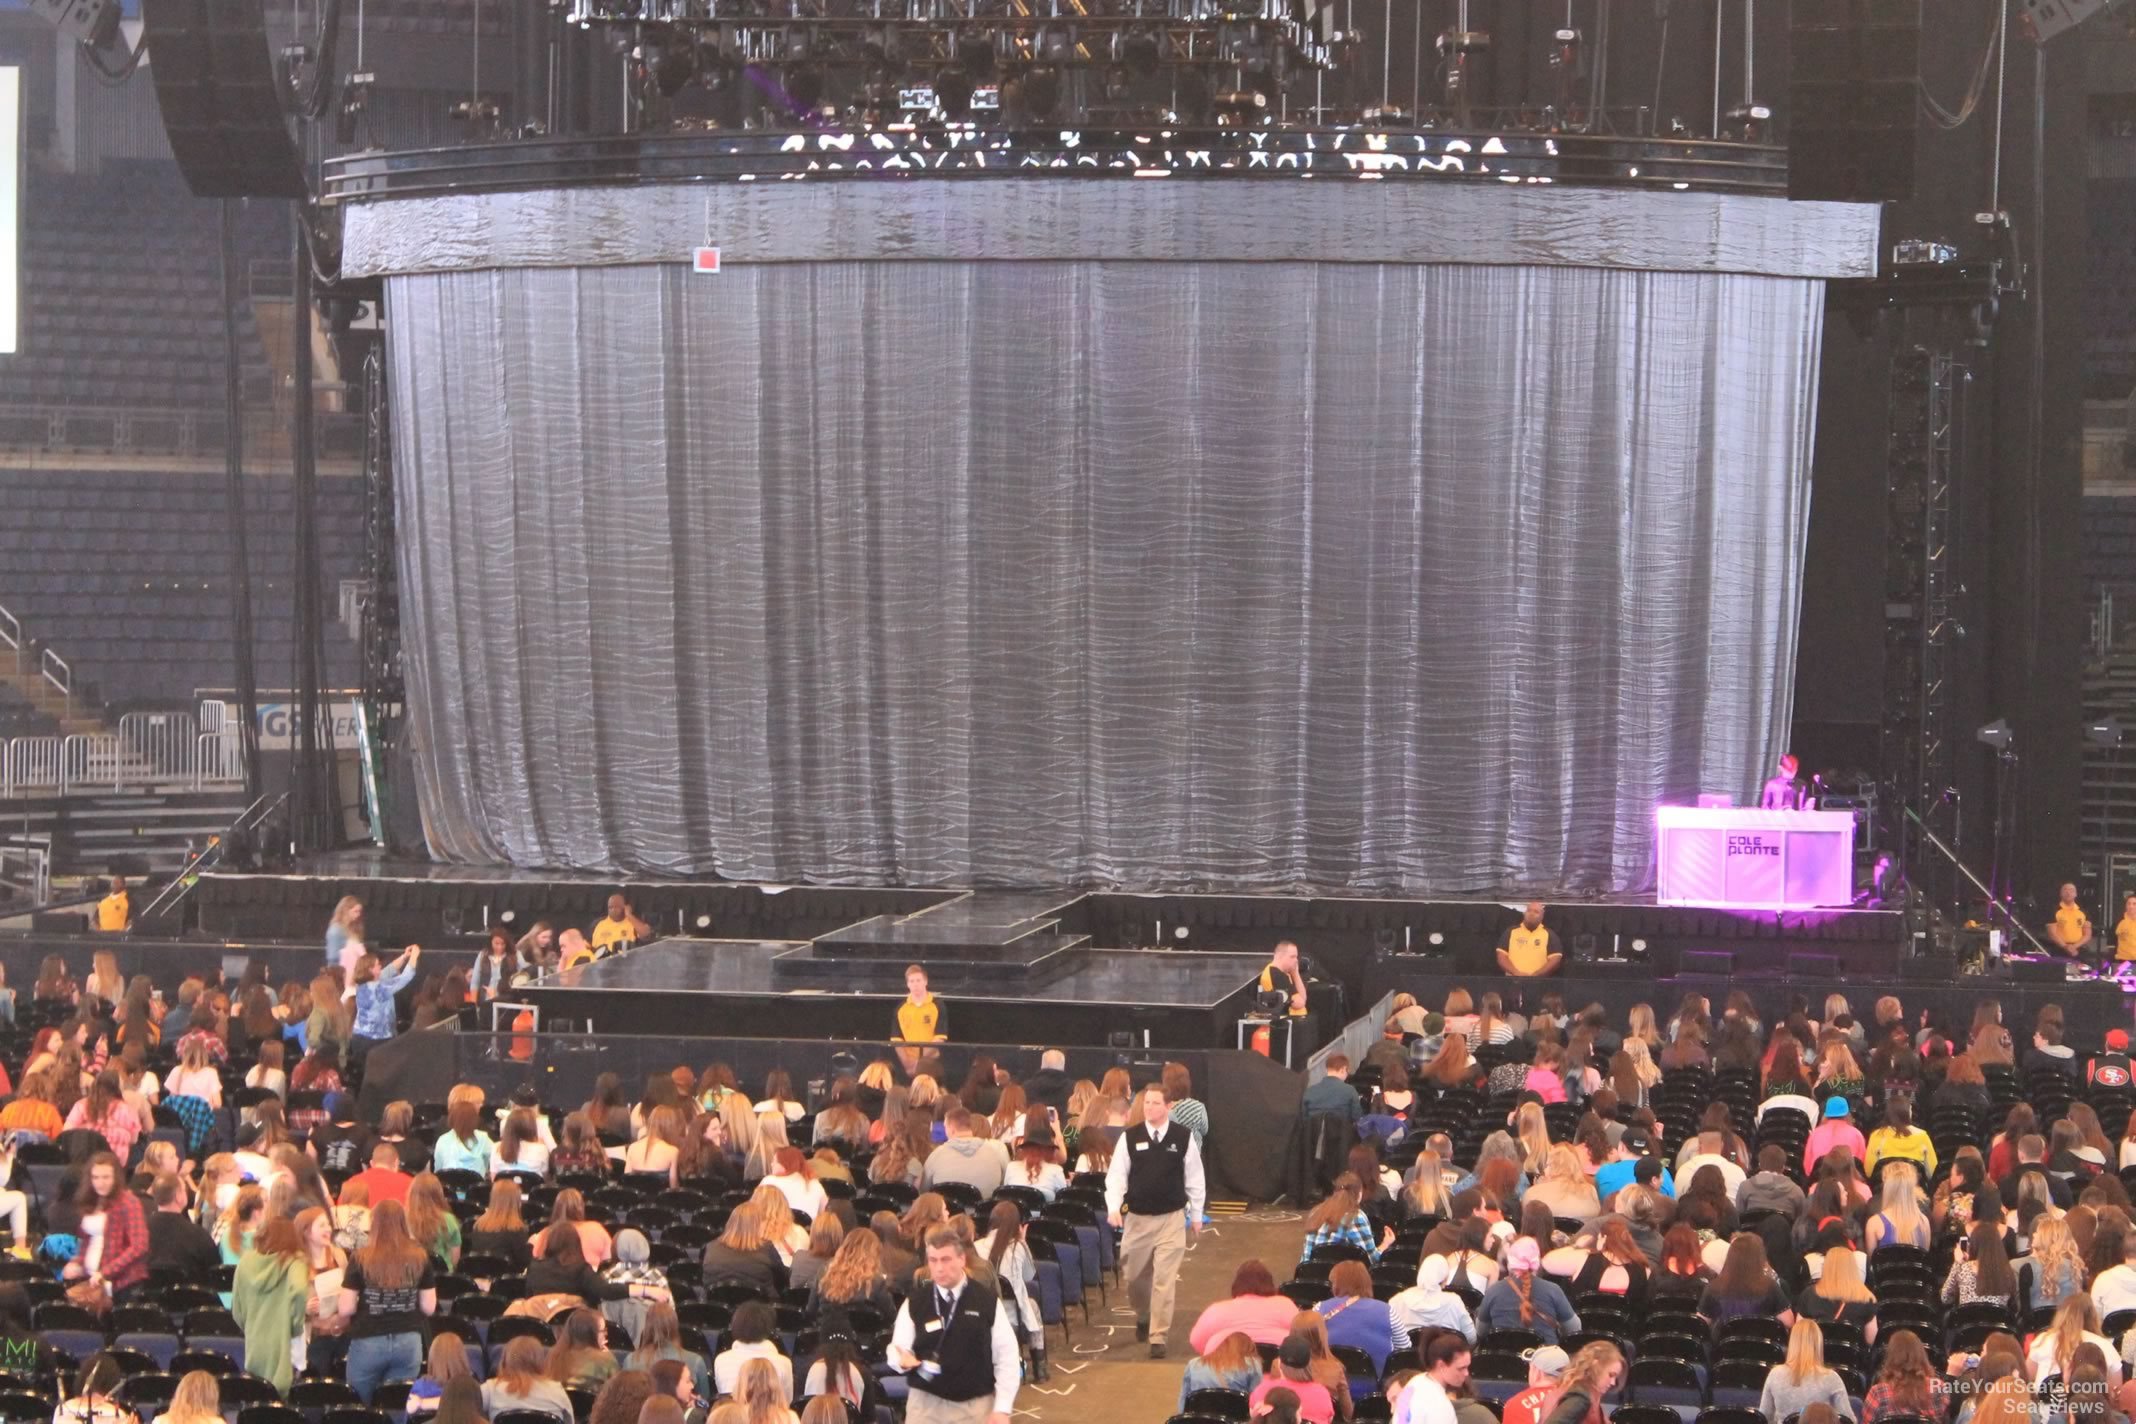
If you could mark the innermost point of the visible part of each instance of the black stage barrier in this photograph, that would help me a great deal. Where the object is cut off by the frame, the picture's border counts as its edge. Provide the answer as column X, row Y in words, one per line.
column 401, row 909
column 1253, row 1103
column 2089, row 1008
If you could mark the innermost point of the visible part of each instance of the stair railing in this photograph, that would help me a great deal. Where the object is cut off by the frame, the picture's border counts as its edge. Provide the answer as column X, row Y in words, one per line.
column 2003, row 911
column 11, row 635
column 171, row 896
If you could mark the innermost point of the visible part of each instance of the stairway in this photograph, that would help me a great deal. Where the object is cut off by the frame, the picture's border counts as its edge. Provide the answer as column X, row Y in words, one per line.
column 30, row 684
column 125, row 832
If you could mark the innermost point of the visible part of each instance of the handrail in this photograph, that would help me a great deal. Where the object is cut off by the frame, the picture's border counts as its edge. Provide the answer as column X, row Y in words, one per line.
column 55, row 670
column 36, row 853
column 11, row 633
column 1990, row 896
column 188, row 877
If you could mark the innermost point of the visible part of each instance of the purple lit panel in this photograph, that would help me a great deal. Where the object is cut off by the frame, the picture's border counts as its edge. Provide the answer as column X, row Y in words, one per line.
column 1751, row 859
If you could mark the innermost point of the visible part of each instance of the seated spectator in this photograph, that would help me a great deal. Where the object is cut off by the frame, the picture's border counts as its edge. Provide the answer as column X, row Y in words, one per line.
column 563, row 1269
column 779, row 1098
column 744, row 1254
column 1523, row 1300
column 787, row 1236
column 197, row 1400
column 1340, row 1219
column 594, row 1241
column 1602, row 1258
column 1899, row 1219
column 1293, row 1372
column 752, row 1333
column 1803, row 1380
column 2075, row 1325
column 519, row 1145
column 1230, row 1362
column 2053, row 1270
column 1898, row 1137
column 1980, row 1270
column 1037, row 1163
column 1565, row 1187
column 1353, row 1317
column 1837, row 1130
column 1745, row 1286
column 660, row 1339
column 1427, row 1306
column 382, row 1181
column 501, row 1230
column 177, row 1245
column 644, row 1282
column 463, row 1146
column 267, row 1072
column 580, row 1358
column 858, row 1274
column 1840, row 1294
column 447, row 1361
column 1254, row 1308
column 522, row 1382
column 1770, row 1188
column 1332, row 1094
column 1906, row 1385
column 825, row 1235
column 794, row 1179
column 977, row 1162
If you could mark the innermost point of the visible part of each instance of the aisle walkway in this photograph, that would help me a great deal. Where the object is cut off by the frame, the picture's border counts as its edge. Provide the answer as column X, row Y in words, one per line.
column 1107, row 1378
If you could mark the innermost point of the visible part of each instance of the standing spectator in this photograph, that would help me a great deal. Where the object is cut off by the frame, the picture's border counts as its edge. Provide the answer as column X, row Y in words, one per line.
column 1428, row 1398
column 388, row 1290
column 114, row 913
column 1154, row 1188
column 272, row 1290
column 373, row 990
column 1187, row 1110
column 493, row 966
column 112, row 1247
column 344, row 929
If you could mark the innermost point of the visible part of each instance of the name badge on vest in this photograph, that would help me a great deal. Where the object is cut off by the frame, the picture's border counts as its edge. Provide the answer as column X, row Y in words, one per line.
column 1142, row 1147
column 934, row 1325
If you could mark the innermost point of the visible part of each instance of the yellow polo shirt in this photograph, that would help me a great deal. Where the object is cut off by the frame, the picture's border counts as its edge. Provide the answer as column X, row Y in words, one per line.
column 607, row 932
column 921, row 1022
column 2125, row 939
column 113, row 911
column 1528, row 949
column 1270, row 975
column 2071, row 925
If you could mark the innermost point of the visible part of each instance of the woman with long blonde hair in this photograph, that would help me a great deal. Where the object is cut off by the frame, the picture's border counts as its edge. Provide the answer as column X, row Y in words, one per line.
column 855, row 1273
column 1425, row 1192
column 1639, row 1024
column 761, row 1395
column 2075, row 1324
column 1492, row 1025
column 1533, row 1131
column 1899, row 1219
column 784, row 1233
column 2053, row 1270
column 1803, row 1378
column 1591, row 1375
column 1841, row 1294
column 197, row 1400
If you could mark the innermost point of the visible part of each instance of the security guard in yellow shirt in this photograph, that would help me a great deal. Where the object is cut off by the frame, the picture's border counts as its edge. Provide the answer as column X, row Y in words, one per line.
column 114, row 912
column 1529, row 948
column 2071, row 931
column 619, row 929
column 1281, row 974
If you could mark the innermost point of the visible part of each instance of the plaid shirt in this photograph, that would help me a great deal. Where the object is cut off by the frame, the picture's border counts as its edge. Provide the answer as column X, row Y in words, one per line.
column 1357, row 1231
column 198, row 1117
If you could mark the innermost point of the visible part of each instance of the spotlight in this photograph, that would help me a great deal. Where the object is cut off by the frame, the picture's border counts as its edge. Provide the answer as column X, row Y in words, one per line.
column 2104, row 733
column 704, row 922
column 1140, row 52
column 1179, row 932
column 953, row 93
column 975, row 56
column 674, row 66
column 1241, row 108
column 355, row 101
column 1639, row 946
column 1435, row 939
column 804, row 86
column 1996, row 734
column 507, row 916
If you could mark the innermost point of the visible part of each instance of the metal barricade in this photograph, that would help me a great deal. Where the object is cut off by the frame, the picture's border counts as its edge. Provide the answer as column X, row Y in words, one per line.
column 162, row 746
column 91, row 762
column 26, row 866
column 216, row 761
column 31, row 765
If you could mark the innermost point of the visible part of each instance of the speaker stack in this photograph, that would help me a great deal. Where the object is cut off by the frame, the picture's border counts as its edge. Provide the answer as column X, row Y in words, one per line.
column 1854, row 77
column 222, row 105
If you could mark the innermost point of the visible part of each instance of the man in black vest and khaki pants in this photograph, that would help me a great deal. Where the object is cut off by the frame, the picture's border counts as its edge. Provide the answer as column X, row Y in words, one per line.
column 955, row 1341
column 1154, row 1188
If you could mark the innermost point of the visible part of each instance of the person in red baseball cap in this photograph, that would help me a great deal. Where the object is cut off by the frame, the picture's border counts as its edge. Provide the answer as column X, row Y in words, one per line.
column 2110, row 1069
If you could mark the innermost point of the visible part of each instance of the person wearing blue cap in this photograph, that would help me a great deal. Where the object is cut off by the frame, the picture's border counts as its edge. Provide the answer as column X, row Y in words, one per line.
column 1837, row 1130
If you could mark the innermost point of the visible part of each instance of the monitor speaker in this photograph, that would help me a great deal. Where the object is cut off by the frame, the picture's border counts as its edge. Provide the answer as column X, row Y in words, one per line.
column 222, row 105
column 1854, row 79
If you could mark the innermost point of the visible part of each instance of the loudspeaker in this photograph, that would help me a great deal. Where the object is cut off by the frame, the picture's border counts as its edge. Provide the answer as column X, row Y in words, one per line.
column 1854, row 78
column 222, row 106
column 2039, row 971
column 1716, row 963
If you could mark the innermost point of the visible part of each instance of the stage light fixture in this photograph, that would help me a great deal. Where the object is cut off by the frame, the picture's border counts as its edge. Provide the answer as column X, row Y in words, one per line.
column 953, row 93
column 1179, row 932
column 674, row 66
column 506, row 917
column 1241, row 108
column 804, row 86
column 1032, row 97
column 1140, row 52
column 975, row 56
column 1996, row 734
column 1435, row 939
column 704, row 922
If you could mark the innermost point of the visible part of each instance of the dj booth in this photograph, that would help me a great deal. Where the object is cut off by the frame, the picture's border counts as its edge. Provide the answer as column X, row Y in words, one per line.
column 1755, row 860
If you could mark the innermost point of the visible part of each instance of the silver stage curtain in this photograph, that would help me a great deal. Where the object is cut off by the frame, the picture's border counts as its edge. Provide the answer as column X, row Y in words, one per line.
column 1401, row 578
